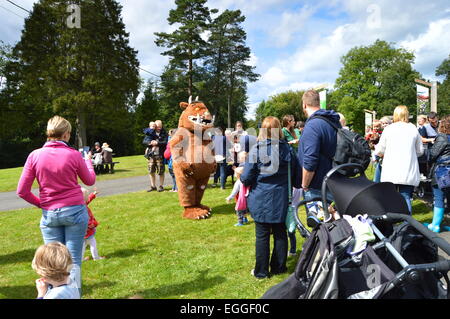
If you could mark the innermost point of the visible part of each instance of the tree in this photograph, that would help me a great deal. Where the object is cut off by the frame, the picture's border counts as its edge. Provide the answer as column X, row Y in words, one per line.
column 279, row 105
column 5, row 56
column 147, row 110
column 378, row 77
column 444, row 88
column 227, row 61
column 88, row 74
column 185, row 44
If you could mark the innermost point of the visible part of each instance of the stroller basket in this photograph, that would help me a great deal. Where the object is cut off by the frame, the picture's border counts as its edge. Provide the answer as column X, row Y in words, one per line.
column 401, row 263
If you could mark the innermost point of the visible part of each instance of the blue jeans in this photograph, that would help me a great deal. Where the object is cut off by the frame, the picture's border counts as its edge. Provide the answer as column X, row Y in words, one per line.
column 222, row 173
column 377, row 175
column 406, row 191
column 439, row 195
column 311, row 193
column 68, row 226
column 174, row 180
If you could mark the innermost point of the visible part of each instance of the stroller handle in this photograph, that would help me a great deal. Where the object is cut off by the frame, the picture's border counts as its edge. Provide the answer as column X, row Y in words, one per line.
column 440, row 242
column 357, row 169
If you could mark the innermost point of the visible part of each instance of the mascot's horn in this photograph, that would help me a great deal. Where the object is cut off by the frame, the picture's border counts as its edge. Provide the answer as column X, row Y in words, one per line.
column 190, row 99
column 196, row 99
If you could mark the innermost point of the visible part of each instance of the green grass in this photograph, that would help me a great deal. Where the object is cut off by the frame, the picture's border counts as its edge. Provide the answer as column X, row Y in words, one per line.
column 152, row 252
column 129, row 166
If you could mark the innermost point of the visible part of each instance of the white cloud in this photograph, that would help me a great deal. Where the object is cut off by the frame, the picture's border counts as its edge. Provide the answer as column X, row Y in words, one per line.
column 430, row 47
column 290, row 24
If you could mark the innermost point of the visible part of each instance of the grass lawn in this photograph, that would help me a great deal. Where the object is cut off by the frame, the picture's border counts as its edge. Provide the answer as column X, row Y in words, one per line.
column 129, row 166
column 151, row 251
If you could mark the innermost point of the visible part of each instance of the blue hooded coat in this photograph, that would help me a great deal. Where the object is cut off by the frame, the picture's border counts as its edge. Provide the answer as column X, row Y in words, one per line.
column 318, row 145
column 266, row 172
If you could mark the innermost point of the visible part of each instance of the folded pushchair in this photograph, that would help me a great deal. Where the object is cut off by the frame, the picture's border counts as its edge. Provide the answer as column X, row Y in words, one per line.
column 401, row 263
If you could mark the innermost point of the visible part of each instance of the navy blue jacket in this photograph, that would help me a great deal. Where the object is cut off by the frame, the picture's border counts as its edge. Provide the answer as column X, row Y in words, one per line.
column 162, row 139
column 266, row 172
column 318, row 145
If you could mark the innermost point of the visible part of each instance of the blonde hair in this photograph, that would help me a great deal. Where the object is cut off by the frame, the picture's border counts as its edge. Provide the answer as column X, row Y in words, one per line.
column 57, row 126
column 342, row 119
column 151, row 123
column 401, row 114
column 52, row 261
column 422, row 117
column 270, row 125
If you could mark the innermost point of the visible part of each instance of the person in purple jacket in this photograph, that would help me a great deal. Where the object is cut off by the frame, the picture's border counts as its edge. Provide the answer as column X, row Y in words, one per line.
column 56, row 166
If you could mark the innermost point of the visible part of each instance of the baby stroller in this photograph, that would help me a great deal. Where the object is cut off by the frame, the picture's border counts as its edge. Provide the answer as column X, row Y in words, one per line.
column 401, row 263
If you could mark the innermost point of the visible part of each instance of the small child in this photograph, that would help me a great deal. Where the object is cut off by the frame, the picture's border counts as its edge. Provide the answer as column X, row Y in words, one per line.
column 168, row 157
column 241, row 192
column 150, row 135
column 89, row 238
column 54, row 264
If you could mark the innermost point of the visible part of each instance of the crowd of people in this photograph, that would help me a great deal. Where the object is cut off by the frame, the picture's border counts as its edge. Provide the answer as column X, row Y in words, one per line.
column 302, row 151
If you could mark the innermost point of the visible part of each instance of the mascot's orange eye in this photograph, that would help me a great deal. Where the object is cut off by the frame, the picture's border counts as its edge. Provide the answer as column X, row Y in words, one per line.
column 197, row 109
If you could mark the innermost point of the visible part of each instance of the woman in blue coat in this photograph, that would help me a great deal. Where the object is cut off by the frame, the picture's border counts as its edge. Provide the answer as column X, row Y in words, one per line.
column 266, row 172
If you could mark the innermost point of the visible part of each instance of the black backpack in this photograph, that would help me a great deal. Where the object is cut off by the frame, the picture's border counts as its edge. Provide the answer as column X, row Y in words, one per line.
column 351, row 148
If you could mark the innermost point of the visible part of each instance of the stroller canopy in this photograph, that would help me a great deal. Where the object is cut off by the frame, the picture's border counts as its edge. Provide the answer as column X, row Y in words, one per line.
column 359, row 195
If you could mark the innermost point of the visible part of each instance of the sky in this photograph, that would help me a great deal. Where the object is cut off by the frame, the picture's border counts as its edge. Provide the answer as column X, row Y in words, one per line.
column 295, row 45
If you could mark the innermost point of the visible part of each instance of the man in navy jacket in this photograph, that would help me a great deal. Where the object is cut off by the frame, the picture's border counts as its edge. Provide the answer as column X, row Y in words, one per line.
column 317, row 144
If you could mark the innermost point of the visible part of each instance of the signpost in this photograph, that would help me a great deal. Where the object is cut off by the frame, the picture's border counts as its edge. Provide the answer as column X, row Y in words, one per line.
column 423, row 96
column 322, row 89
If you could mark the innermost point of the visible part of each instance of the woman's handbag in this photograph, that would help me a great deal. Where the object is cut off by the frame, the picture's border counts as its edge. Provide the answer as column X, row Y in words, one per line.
column 442, row 173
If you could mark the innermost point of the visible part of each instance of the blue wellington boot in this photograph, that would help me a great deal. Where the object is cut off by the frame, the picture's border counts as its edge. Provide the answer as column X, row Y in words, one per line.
column 438, row 217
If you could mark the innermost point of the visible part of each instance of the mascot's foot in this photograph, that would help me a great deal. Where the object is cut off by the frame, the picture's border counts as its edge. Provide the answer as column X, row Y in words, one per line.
column 195, row 213
column 208, row 209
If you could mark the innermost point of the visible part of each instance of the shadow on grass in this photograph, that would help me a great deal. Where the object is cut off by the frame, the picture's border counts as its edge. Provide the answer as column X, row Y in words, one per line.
column 124, row 253
column 30, row 292
column 200, row 283
column 223, row 209
column 18, row 257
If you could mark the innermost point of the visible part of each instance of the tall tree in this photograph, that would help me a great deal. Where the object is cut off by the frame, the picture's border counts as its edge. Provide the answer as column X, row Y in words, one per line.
column 280, row 105
column 377, row 77
column 89, row 74
column 228, row 59
column 147, row 110
column 444, row 88
column 186, row 45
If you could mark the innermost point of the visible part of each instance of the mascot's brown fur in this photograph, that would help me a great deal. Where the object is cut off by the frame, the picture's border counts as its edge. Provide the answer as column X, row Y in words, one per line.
column 193, row 158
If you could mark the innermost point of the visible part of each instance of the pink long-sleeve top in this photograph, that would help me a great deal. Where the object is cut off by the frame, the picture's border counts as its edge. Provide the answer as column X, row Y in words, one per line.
column 56, row 168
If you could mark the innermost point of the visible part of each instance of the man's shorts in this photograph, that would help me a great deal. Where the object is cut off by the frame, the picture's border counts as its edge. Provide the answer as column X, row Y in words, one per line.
column 156, row 165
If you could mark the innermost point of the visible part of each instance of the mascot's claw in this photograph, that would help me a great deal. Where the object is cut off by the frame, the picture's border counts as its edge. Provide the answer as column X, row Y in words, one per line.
column 196, row 213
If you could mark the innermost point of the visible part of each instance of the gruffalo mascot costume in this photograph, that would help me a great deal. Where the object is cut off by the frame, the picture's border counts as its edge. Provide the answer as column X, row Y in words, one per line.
column 193, row 158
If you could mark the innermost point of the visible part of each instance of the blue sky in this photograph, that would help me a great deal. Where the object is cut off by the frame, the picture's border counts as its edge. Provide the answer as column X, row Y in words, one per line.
column 295, row 44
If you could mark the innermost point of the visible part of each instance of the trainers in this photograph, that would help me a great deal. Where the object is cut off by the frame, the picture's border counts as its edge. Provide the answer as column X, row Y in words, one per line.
column 239, row 224
column 245, row 221
column 161, row 189
column 292, row 254
column 152, row 189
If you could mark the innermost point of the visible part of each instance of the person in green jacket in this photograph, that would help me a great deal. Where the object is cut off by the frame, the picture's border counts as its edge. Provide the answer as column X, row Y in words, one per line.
column 292, row 136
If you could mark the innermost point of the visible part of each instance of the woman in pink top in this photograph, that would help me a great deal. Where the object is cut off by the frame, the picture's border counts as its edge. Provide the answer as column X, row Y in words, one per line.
column 56, row 166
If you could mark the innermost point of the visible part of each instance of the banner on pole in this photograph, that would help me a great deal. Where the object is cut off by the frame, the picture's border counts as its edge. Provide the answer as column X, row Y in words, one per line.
column 323, row 99
column 423, row 100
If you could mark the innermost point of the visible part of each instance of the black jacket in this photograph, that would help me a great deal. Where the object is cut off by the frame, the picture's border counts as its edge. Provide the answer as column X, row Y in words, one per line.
column 439, row 150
